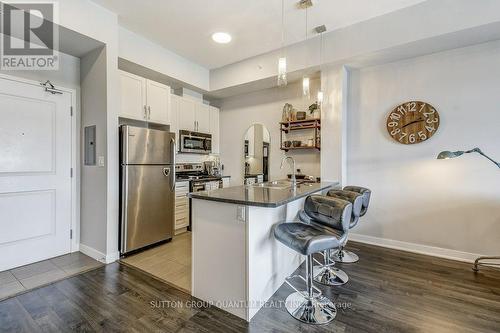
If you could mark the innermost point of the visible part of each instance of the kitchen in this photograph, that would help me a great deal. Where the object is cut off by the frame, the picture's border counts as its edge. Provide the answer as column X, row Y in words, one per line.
column 194, row 128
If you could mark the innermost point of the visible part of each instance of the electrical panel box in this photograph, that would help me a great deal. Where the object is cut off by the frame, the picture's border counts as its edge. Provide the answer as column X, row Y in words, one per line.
column 90, row 145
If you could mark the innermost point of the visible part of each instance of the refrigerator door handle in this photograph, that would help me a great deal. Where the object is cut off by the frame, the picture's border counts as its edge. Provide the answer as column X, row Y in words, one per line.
column 172, row 142
column 124, row 245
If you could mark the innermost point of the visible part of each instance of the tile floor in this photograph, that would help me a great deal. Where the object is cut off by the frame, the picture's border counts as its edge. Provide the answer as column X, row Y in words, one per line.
column 170, row 262
column 41, row 273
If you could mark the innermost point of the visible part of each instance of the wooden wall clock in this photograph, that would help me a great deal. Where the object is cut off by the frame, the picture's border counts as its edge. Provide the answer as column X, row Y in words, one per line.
column 412, row 122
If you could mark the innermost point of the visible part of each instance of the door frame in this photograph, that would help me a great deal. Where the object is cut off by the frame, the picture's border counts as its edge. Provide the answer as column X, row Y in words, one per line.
column 75, row 156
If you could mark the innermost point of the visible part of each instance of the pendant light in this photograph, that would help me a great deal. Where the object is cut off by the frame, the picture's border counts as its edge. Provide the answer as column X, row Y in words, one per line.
column 282, row 79
column 321, row 29
column 306, row 91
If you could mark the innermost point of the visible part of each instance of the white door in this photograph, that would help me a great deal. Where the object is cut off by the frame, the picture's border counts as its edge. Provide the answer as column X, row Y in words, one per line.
column 132, row 96
column 202, row 118
column 187, row 110
column 35, row 180
column 158, row 101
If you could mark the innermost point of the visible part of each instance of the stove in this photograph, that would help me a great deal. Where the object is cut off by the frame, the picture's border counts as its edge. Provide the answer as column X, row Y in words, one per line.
column 193, row 172
column 196, row 175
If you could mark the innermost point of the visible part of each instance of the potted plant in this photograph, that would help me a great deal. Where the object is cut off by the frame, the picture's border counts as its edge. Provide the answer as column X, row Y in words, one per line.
column 315, row 111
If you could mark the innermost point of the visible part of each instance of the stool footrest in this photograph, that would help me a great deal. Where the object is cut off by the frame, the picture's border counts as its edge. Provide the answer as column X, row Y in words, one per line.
column 291, row 277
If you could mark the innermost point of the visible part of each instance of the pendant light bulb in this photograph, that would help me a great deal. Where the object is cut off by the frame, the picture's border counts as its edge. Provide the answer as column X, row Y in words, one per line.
column 320, row 98
column 306, row 91
column 282, row 80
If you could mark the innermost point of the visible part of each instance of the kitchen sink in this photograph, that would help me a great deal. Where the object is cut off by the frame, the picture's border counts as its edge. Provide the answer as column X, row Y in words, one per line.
column 277, row 184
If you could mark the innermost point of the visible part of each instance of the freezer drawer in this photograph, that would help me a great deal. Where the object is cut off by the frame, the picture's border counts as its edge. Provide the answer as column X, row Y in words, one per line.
column 147, row 207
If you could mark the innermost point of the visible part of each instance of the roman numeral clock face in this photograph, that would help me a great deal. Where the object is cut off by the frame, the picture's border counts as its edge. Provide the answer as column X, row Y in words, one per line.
column 413, row 122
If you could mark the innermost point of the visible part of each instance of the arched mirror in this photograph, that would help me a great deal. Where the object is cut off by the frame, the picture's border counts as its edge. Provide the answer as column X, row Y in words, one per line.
column 257, row 147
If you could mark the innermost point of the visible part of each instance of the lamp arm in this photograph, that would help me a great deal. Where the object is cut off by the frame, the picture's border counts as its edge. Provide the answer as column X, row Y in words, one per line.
column 479, row 151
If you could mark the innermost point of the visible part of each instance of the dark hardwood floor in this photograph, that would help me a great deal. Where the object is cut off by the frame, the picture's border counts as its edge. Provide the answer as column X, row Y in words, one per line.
column 388, row 291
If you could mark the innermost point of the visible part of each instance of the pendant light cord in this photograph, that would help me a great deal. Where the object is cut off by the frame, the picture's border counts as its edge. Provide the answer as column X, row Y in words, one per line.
column 283, row 24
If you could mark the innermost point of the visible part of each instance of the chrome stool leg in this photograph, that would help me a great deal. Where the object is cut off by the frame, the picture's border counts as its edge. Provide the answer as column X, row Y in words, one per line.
column 327, row 274
column 307, row 306
column 344, row 256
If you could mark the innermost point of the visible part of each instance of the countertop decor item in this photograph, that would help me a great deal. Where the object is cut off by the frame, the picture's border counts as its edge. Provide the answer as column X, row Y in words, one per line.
column 287, row 112
column 296, row 143
column 445, row 155
column 413, row 122
column 300, row 115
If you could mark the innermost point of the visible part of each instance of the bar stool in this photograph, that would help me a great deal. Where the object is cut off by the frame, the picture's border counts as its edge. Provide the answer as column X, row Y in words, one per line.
column 342, row 255
column 327, row 217
column 325, row 273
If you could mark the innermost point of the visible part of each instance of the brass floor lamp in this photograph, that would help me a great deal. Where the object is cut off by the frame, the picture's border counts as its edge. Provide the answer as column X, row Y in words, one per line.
column 444, row 155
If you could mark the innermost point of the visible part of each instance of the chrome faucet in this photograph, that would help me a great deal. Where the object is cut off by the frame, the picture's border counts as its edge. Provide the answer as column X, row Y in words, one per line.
column 294, row 179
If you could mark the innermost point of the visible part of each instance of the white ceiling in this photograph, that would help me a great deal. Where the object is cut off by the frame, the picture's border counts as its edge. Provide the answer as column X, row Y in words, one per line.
column 186, row 26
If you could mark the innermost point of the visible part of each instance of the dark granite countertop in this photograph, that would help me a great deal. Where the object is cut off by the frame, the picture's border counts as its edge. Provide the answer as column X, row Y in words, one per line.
column 255, row 195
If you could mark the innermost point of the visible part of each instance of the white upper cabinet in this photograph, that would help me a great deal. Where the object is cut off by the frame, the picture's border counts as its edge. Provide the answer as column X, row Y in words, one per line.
column 158, row 102
column 174, row 116
column 214, row 129
column 202, row 118
column 133, row 96
column 193, row 116
column 143, row 99
column 187, row 114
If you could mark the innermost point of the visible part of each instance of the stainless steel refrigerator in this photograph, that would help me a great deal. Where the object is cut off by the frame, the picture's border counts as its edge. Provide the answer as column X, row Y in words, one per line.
column 147, row 188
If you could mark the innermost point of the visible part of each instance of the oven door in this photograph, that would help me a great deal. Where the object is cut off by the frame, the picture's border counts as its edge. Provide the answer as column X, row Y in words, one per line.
column 198, row 186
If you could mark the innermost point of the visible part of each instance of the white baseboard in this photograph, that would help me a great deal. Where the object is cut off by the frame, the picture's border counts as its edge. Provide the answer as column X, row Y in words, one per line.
column 93, row 253
column 416, row 248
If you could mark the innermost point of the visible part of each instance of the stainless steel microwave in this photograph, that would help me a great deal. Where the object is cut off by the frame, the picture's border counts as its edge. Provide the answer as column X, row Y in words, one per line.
column 195, row 142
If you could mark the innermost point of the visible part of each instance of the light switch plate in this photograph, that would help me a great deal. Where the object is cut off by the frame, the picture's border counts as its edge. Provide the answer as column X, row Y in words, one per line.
column 101, row 161
column 241, row 213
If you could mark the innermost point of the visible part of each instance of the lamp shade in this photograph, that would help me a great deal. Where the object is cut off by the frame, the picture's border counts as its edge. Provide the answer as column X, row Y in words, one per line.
column 444, row 155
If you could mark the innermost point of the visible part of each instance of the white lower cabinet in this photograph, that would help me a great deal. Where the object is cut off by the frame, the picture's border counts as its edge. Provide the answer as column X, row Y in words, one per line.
column 181, row 205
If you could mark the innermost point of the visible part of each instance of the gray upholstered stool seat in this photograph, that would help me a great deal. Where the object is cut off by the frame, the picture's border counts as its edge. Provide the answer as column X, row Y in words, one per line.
column 326, row 221
column 360, row 198
column 305, row 239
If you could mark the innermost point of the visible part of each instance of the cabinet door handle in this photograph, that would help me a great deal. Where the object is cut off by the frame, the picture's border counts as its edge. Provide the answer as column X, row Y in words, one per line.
column 145, row 112
column 149, row 112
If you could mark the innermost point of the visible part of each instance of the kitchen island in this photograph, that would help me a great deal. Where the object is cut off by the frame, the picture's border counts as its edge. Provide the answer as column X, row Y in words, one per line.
column 237, row 265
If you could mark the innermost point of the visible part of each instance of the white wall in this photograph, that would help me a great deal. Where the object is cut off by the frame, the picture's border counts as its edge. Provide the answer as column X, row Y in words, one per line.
column 93, row 231
column 142, row 51
column 263, row 107
column 334, row 83
column 452, row 204
column 89, row 19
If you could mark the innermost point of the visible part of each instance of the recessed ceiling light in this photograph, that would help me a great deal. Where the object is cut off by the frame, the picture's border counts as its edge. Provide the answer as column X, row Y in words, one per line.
column 221, row 37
